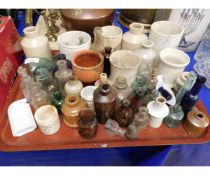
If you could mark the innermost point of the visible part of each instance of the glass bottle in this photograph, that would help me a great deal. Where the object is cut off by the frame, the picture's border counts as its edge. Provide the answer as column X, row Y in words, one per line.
column 87, row 125
column 122, row 90
column 73, row 86
column 57, row 100
column 131, row 132
column 145, row 72
column 137, row 100
column 152, row 83
column 61, row 56
column 39, row 97
column 124, row 114
column 26, row 82
column 63, row 74
column 107, row 54
column 150, row 96
column 191, row 97
column 140, row 82
column 104, row 98
column 174, row 117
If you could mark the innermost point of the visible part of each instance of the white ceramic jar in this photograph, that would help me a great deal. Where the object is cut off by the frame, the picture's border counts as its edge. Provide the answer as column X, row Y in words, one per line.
column 146, row 54
column 73, row 41
column 158, row 110
column 133, row 39
column 73, row 86
column 172, row 64
column 47, row 119
column 34, row 44
column 165, row 34
column 126, row 63
column 87, row 95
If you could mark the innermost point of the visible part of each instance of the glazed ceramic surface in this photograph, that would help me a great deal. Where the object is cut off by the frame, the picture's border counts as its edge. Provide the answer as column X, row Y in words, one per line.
column 158, row 110
column 133, row 39
column 87, row 95
column 72, row 42
column 107, row 36
column 103, row 79
column 73, row 86
column 165, row 34
column 126, row 63
column 47, row 119
column 87, row 65
column 172, row 63
column 34, row 44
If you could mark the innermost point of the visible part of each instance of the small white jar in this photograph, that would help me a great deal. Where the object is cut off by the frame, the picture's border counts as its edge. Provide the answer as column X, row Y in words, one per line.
column 73, row 86
column 87, row 95
column 47, row 119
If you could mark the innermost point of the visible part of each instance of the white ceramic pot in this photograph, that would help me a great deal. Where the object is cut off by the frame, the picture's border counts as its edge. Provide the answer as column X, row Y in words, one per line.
column 47, row 119
column 158, row 110
column 73, row 41
column 107, row 36
column 73, row 86
column 146, row 54
column 126, row 63
column 172, row 64
column 133, row 39
column 87, row 95
column 34, row 44
column 165, row 34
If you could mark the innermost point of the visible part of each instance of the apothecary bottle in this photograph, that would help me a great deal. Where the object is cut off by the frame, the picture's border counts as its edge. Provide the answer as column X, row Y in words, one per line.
column 150, row 96
column 174, row 117
column 73, row 86
column 140, row 82
column 124, row 114
column 122, row 90
column 39, row 97
column 87, row 125
column 63, row 74
column 141, row 118
column 107, row 54
column 104, row 98
column 71, row 108
column 137, row 100
column 191, row 97
column 152, row 83
column 57, row 100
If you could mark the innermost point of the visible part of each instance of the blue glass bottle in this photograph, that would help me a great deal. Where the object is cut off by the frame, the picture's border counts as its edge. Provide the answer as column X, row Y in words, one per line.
column 191, row 97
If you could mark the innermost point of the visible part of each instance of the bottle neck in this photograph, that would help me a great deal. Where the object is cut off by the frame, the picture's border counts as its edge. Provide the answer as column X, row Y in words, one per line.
column 31, row 32
column 62, row 65
column 200, row 81
column 136, row 28
column 104, row 89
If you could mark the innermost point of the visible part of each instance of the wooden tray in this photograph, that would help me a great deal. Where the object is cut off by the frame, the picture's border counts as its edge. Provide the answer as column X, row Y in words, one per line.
column 69, row 138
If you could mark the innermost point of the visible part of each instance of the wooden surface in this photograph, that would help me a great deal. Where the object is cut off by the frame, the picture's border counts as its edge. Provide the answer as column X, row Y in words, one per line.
column 69, row 138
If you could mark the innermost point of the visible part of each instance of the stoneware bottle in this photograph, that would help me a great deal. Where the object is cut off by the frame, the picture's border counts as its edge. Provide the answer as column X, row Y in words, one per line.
column 103, row 79
column 73, row 86
column 34, row 44
column 133, row 39
column 104, row 98
column 158, row 110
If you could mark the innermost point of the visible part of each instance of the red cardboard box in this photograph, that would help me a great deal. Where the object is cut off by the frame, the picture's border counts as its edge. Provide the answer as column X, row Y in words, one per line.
column 10, row 54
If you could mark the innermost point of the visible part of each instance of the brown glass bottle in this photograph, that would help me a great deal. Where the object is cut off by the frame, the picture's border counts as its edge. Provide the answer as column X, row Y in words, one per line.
column 104, row 102
column 124, row 114
column 87, row 125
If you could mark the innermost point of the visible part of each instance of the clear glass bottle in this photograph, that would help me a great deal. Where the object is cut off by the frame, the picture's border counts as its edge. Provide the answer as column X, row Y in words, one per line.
column 152, row 83
column 63, row 74
column 145, row 72
column 87, row 125
column 39, row 97
column 174, row 117
column 150, row 96
column 140, row 82
column 137, row 100
column 122, row 90
column 107, row 54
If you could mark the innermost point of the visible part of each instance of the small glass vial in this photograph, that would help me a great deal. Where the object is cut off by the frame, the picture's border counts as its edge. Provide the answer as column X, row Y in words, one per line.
column 122, row 90
column 63, row 74
column 174, row 117
column 141, row 118
column 137, row 100
column 131, row 132
column 87, row 125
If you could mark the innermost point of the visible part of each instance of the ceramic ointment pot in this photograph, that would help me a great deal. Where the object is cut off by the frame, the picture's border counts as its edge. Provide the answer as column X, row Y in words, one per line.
column 126, row 63
column 87, row 95
column 158, row 110
column 87, row 65
column 47, row 119
column 196, row 122
column 172, row 64
column 73, row 41
column 133, row 39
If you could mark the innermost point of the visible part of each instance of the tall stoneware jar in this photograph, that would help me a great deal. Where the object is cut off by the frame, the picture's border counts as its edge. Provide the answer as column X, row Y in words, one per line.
column 71, row 109
column 34, row 44
column 133, row 39
column 104, row 98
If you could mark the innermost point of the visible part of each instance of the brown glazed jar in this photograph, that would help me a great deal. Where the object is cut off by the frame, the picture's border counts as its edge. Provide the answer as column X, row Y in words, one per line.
column 87, row 125
column 86, row 19
column 104, row 98
column 124, row 114
column 71, row 109
column 196, row 122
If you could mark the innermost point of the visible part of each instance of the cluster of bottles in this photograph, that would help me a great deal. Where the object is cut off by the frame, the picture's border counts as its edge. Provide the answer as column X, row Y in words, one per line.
column 116, row 105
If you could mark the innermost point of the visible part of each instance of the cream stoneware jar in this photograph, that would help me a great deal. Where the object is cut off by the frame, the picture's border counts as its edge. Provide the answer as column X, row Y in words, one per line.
column 47, row 119
column 126, row 63
column 133, row 39
column 172, row 64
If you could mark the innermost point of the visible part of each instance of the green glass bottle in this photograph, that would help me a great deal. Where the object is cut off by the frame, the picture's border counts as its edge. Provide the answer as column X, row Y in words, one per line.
column 57, row 100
